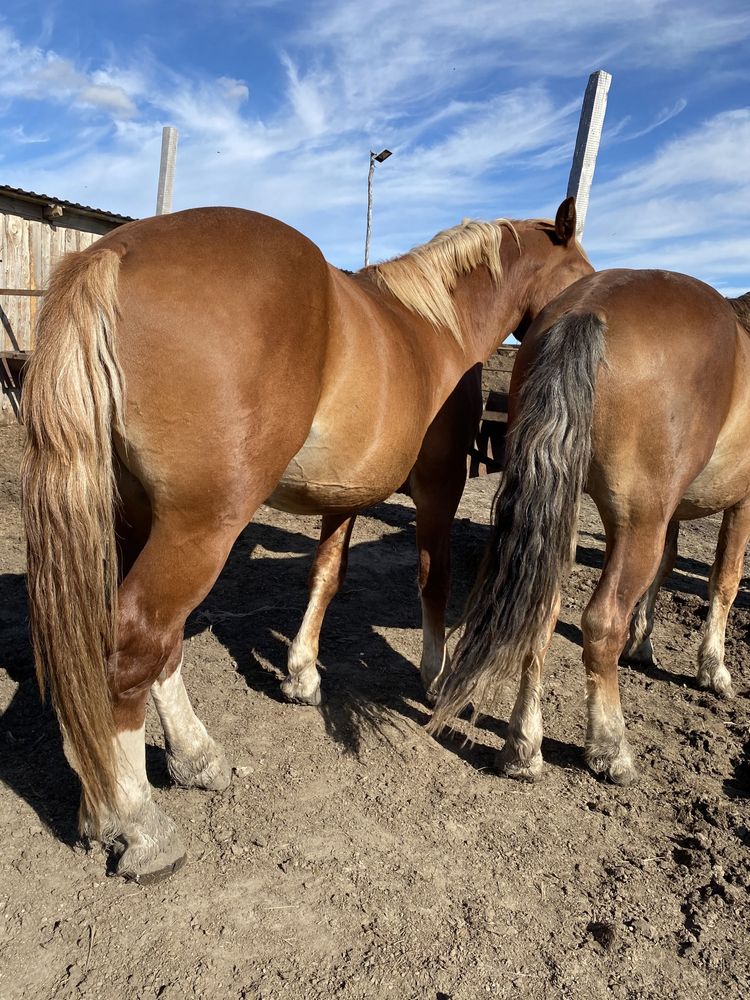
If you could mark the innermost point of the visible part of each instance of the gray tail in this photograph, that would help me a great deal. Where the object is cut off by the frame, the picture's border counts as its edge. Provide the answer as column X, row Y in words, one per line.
column 535, row 518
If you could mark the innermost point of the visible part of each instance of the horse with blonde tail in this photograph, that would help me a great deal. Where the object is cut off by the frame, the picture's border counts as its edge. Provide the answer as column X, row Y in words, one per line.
column 188, row 369
column 633, row 386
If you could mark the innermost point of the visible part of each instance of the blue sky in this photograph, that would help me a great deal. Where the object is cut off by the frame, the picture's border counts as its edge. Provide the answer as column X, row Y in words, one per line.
column 279, row 102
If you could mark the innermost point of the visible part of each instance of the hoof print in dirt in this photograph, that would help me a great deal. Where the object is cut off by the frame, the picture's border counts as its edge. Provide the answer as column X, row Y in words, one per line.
column 603, row 932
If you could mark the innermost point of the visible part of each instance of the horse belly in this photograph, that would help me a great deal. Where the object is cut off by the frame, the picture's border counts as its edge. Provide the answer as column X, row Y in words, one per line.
column 724, row 481
column 333, row 473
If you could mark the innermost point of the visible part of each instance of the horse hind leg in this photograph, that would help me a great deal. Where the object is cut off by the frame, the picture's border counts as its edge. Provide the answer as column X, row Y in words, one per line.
column 326, row 577
column 631, row 565
column 640, row 648
column 434, row 521
column 170, row 577
column 724, row 582
column 436, row 483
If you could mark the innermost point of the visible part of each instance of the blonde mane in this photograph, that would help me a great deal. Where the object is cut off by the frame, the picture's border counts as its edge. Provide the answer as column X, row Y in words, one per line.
column 424, row 278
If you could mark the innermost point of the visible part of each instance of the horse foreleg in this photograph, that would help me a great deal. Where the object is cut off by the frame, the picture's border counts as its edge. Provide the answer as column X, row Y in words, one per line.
column 326, row 577
column 632, row 561
column 640, row 648
column 722, row 590
column 193, row 758
column 521, row 757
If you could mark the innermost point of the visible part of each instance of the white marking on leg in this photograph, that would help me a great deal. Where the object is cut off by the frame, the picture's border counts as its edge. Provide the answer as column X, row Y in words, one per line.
column 522, row 753
column 711, row 670
column 149, row 841
column 193, row 758
column 303, row 683
column 185, row 733
column 521, row 756
column 607, row 750
column 133, row 789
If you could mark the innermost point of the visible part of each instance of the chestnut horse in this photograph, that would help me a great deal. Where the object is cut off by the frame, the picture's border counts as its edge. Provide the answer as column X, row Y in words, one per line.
column 635, row 386
column 191, row 367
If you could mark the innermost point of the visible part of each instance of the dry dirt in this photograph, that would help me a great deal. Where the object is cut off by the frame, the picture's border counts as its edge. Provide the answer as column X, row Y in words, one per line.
column 355, row 857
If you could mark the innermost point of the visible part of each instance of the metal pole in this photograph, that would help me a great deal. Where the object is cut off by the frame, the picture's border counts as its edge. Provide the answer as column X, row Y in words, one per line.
column 587, row 143
column 166, row 170
column 369, row 207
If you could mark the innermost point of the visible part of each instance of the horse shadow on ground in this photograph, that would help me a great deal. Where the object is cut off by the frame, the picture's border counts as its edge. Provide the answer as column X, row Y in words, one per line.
column 254, row 610
column 32, row 761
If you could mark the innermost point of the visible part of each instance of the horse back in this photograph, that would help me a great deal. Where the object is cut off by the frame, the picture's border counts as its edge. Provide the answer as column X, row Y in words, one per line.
column 672, row 404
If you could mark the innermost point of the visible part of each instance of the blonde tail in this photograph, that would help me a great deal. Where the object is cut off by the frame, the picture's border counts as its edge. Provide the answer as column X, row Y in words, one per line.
column 72, row 402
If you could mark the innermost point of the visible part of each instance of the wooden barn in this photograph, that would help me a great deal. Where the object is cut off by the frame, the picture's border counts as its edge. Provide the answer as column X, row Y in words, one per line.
column 35, row 230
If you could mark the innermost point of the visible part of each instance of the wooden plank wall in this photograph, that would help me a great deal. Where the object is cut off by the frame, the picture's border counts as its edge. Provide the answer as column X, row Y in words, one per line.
column 489, row 448
column 30, row 246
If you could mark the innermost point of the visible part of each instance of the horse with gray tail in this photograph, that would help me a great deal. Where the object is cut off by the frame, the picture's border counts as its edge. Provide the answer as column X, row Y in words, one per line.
column 635, row 386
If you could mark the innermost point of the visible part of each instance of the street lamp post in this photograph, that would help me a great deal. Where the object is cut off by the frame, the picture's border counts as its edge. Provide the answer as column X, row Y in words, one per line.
column 379, row 157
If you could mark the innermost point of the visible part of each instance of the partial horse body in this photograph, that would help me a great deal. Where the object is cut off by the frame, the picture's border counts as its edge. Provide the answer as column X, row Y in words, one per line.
column 191, row 367
column 635, row 386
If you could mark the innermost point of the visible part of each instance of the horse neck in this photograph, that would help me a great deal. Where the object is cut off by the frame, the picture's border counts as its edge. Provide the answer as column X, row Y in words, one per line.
column 490, row 311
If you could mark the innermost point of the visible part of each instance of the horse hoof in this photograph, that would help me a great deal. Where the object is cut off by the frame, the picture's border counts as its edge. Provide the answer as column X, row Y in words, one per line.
column 294, row 692
column 719, row 681
column 619, row 769
column 210, row 770
column 140, row 865
column 510, row 765
column 431, row 697
column 153, row 876
column 642, row 655
column 215, row 776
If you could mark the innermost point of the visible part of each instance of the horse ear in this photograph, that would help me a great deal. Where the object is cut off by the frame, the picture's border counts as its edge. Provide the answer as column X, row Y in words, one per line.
column 565, row 221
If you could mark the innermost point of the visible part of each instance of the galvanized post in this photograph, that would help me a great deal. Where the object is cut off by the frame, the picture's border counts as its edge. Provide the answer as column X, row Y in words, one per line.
column 587, row 143
column 369, row 207
column 166, row 170
column 380, row 157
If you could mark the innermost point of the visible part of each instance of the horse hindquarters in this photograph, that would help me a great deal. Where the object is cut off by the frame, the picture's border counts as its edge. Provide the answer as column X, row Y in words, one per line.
column 642, row 469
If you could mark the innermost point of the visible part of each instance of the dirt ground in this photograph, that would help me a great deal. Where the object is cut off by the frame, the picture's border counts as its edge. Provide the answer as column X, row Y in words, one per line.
column 355, row 857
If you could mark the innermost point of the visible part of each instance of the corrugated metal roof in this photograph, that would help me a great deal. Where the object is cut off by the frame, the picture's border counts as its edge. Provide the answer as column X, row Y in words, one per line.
column 45, row 199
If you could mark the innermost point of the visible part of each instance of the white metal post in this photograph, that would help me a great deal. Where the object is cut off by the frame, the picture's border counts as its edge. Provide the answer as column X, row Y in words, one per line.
column 166, row 170
column 587, row 143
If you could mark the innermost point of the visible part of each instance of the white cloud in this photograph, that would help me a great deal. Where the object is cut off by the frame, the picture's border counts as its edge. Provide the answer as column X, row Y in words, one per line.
column 684, row 208
column 112, row 100
column 475, row 102
column 18, row 134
